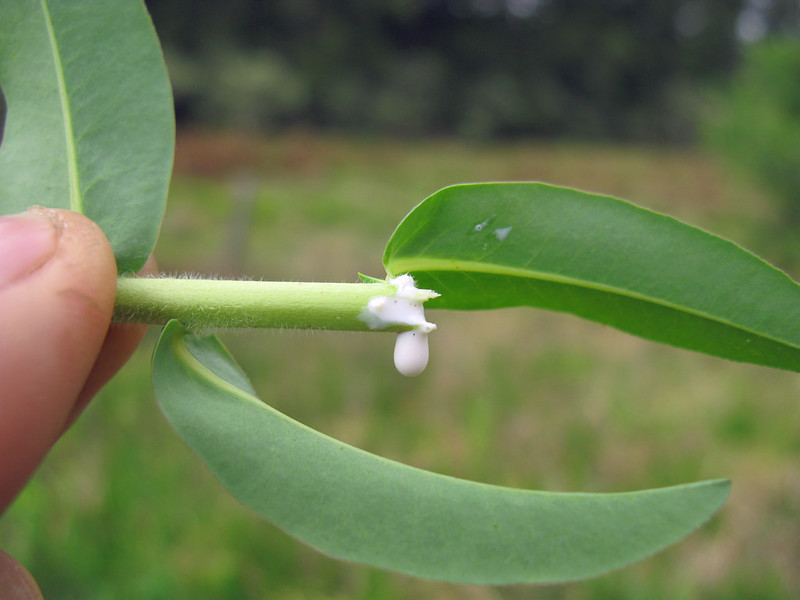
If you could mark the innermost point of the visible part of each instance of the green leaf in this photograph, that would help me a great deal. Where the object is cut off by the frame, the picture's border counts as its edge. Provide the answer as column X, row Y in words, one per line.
column 369, row 279
column 528, row 244
column 90, row 120
column 360, row 507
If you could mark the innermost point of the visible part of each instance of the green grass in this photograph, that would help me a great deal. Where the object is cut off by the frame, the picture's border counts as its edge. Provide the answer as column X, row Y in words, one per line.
column 121, row 509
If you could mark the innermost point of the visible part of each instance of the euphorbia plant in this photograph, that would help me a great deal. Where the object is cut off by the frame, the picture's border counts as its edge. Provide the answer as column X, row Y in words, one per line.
column 89, row 127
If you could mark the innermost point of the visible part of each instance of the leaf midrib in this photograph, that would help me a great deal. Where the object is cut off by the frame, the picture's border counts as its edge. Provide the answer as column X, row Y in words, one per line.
column 426, row 264
column 75, row 200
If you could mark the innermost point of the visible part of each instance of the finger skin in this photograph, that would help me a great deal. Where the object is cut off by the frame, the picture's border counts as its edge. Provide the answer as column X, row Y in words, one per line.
column 15, row 581
column 57, row 349
column 120, row 342
column 53, row 324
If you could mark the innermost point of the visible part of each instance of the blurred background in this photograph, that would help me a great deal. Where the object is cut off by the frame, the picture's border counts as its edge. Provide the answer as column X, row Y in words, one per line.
column 307, row 130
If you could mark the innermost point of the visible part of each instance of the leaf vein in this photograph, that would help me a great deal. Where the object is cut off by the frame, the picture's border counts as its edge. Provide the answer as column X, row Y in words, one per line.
column 75, row 200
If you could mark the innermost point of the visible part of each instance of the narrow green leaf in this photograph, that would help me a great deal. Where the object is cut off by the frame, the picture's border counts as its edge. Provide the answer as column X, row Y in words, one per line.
column 528, row 244
column 90, row 120
column 360, row 507
column 369, row 279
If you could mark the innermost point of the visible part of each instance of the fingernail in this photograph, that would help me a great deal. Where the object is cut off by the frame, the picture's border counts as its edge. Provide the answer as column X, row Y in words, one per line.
column 27, row 241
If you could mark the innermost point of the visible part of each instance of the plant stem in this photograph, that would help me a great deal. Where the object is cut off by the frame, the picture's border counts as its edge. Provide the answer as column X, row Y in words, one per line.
column 203, row 304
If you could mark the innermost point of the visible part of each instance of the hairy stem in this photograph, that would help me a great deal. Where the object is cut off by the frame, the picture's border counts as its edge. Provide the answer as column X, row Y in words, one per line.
column 203, row 304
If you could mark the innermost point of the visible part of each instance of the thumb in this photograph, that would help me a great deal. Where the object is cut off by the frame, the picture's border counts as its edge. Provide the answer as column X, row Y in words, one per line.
column 57, row 289
column 15, row 581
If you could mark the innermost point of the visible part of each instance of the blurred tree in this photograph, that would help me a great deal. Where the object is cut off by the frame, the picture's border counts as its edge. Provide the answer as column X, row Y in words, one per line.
column 756, row 124
column 622, row 69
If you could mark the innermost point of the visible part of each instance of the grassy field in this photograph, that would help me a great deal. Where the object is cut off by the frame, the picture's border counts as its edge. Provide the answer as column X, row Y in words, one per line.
column 121, row 509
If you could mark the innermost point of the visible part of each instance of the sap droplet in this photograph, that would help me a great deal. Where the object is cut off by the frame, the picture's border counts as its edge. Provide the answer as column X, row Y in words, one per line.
column 480, row 226
column 502, row 233
column 411, row 352
column 404, row 308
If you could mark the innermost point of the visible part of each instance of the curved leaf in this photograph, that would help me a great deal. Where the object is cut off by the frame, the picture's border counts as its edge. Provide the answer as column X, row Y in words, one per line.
column 530, row 244
column 90, row 120
column 357, row 506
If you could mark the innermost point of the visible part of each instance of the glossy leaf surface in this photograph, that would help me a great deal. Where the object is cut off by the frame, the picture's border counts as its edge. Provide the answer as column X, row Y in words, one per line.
column 90, row 119
column 358, row 506
column 527, row 244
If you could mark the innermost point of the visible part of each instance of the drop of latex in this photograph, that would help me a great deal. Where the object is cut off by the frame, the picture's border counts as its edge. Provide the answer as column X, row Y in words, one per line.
column 411, row 352
column 480, row 226
column 502, row 233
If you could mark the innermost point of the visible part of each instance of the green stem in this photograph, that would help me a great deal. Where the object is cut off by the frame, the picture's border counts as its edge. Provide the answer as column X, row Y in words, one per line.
column 202, row 304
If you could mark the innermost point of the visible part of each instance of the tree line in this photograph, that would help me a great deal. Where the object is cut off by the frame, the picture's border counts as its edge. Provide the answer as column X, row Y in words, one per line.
column 590, row 69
